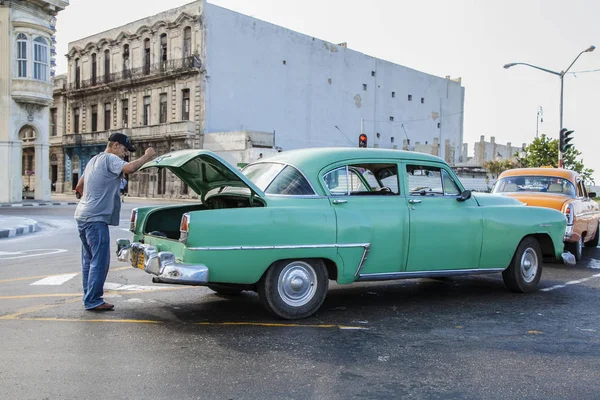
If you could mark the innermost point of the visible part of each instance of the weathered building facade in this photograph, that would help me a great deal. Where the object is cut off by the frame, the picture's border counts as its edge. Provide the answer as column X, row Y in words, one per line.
column 26, row 67
column 201, row 76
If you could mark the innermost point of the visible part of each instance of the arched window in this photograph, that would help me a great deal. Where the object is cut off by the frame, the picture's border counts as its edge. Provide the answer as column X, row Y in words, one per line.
column 21, row 55
column 106, row 66
column 40, row 59
column 187, row 42
column 94, row 69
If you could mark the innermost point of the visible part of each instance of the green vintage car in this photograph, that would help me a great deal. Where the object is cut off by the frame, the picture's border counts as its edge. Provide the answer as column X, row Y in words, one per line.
column 286, row 225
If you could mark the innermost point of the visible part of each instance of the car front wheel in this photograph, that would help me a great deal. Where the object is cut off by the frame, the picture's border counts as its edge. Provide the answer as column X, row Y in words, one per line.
column 294, row 289
column 576, row 248
column 525, row 270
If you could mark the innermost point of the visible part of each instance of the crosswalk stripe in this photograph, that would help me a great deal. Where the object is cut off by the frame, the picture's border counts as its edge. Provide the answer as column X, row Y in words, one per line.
column 54, row 280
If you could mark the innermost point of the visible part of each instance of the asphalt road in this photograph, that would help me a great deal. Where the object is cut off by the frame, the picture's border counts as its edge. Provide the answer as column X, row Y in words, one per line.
column 466, row 338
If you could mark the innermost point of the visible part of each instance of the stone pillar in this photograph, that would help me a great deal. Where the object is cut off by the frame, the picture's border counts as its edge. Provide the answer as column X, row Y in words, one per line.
column 42, row 171
column 10, row 177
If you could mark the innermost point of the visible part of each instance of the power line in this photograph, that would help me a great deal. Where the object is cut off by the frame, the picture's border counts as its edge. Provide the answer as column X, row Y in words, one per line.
column 586, row 71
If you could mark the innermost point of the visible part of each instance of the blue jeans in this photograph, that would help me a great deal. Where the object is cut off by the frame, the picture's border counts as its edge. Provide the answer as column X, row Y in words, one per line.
column 95, row 260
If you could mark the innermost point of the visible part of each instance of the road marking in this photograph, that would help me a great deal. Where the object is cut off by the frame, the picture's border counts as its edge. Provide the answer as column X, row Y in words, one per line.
column 39, row 296
column 279, row 325
column 548, row 289
column 28, row 310
column 29, row 278
column 134, row 288
column 55, row 280
column 27, row 253
column 127, row 321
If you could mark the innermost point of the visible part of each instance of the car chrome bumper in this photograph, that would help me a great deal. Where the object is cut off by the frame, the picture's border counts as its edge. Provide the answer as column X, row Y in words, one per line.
column 162, row 264
column 568, row 259
column 571, row 236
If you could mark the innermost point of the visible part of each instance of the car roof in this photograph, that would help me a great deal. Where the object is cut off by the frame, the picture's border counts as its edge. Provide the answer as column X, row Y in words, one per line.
column 314, row 159
column 556, row 172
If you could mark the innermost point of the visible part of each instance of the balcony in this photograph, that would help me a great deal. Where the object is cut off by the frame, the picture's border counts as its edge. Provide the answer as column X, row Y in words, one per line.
column 173, row 130
column 30, row 91
column 146, row 74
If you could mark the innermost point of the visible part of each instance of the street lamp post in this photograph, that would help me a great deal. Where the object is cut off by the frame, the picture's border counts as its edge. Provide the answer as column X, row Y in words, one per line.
column 562, row 76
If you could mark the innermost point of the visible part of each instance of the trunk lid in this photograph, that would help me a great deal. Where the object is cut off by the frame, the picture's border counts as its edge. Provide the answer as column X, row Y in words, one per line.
column 547, row 200
column 203, row 171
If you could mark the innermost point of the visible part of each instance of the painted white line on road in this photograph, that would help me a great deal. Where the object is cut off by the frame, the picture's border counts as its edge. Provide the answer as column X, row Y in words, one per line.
column 30, row 253
column 570, row 283
column 54, row 280
column 133, row 288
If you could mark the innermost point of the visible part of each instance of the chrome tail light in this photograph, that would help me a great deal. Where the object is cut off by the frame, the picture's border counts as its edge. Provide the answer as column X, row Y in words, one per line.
column 184, row 228
column 133, row 220
column 570, row 214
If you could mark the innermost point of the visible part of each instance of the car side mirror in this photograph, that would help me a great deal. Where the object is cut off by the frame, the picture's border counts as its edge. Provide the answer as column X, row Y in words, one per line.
column 464, row 196
column 592, row 195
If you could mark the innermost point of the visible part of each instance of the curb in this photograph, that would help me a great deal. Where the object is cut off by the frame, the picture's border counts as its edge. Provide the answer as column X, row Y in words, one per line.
column 30, row 227
column 54, row 203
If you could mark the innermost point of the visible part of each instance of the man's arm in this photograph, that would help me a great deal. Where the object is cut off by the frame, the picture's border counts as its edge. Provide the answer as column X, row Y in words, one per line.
column 79, row 186
column 133, row 166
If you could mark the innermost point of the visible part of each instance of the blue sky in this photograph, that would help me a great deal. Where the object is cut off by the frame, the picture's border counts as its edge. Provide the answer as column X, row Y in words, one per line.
column 470, row 39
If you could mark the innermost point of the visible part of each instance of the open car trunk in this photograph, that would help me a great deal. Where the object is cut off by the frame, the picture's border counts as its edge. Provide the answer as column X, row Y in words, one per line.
column 218, row 183
column 166, row 221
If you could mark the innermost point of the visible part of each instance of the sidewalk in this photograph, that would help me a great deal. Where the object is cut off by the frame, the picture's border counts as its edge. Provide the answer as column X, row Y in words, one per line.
column 14, row 226
column 56, row 200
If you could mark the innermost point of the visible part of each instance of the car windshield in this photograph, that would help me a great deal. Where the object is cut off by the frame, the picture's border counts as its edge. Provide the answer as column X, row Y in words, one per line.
column 275, row 178
column 536, row 184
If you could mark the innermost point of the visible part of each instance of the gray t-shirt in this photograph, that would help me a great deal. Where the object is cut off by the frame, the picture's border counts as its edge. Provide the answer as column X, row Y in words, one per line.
column 101, row 180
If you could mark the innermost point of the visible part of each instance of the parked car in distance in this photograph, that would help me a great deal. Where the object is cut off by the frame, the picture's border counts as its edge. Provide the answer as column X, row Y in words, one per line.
column 286, row 225
column 559, row 189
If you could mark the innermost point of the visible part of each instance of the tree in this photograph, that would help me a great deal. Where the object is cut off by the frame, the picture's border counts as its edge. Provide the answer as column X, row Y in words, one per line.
column 543, row 152
column 498, row 166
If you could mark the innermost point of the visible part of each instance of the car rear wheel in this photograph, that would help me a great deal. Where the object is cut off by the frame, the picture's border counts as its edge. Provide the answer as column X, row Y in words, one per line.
column 525, row 270
column 576, row 248
column 594, row 241
column 294, row 289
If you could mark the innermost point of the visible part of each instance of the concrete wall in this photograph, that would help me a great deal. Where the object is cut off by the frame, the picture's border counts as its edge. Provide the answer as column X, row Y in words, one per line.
column 268, row 78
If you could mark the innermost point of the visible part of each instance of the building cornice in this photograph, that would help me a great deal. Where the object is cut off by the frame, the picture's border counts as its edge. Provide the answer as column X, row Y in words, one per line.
column 31, row 25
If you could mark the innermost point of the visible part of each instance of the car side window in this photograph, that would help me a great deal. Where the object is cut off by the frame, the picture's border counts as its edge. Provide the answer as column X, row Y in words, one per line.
column 290, row 182
column 581, row 192
column 363, row 179
column 337, row 181
column 424, row 180
column 450, row 188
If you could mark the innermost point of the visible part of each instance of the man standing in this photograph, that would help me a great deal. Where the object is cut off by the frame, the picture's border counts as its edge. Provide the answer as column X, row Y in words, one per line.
column 99, row 207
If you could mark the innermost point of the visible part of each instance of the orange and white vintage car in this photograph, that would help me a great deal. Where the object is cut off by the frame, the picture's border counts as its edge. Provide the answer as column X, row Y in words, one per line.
column 561, row 189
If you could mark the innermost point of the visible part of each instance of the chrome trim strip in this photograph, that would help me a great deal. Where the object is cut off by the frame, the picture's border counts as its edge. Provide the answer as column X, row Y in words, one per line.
column 362, row 260
column 279, row 247
column 426, row 274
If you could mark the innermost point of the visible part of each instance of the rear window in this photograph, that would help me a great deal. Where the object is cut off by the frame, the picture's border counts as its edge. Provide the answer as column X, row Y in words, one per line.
column 537, row 184
column 290, row 182
column 275, row 178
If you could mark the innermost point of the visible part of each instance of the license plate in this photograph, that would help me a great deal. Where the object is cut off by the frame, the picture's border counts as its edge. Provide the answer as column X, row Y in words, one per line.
column 140, row 261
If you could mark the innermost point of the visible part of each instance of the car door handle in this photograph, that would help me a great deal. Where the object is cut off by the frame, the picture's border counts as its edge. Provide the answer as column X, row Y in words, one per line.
column 414, row 201
column 339, row 201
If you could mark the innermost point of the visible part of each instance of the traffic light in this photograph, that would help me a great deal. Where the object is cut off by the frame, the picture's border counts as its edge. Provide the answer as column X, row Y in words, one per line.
column 362, row 140
column 565, row 138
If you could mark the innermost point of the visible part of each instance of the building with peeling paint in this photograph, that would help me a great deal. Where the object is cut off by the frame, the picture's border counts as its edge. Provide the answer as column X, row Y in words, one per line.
column 202, row 76
column 26, row 68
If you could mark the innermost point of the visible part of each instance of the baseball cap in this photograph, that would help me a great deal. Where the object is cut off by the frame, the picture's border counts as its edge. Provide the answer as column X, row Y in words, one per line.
column 123, row 139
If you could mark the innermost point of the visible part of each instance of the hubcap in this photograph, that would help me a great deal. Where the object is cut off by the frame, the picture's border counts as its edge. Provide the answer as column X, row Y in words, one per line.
column 529, row 265
column 297, row 284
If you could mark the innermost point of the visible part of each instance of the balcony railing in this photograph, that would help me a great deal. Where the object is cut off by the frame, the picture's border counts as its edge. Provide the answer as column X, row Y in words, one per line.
column 135, row 74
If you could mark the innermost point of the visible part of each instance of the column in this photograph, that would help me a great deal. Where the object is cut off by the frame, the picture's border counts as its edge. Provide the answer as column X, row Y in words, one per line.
column 42, row 171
